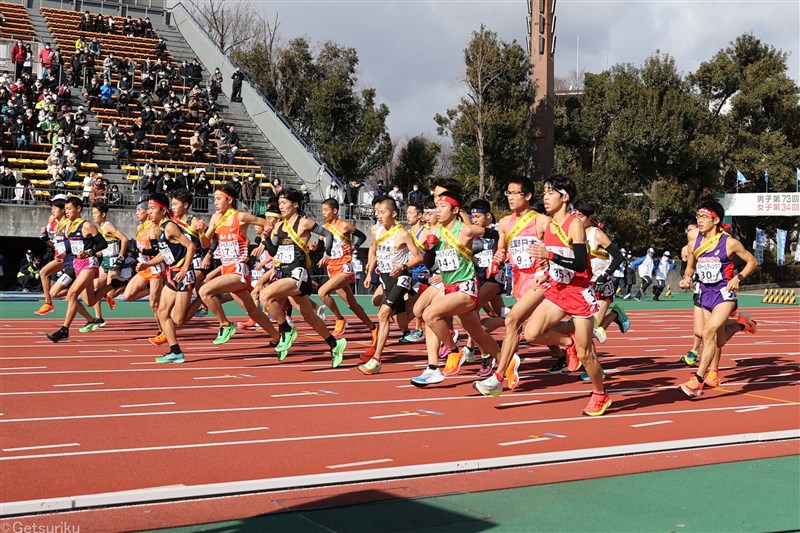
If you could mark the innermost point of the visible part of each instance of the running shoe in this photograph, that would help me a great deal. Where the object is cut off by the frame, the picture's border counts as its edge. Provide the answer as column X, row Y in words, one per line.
column 373, row 366
column 61, row 334
column 247, row 324
column 225, row 333
column 428, row 377
column 749, row 325
column 341, row 325
column 455, row 360
column 598, row 404
column 287, row 338
column 469, row 354
column 367, row 355
column 112, row 303
column 337, row 353
column 573, row 362
column 627, row 296
column 170, row 358
column 712, row 379
column 321, row 311
column 692, row 388
column 599, row 333
column 690, row 358
column 201, row 312
column 374, row 334
column 622, row 319
column 504, row 312
column 282, row 355
column 585, row 375
column 490, row 386
column 98, row 323
column 414, row 336
column 89, row 326
column 454, row 334
column 159, row 339
column 45, row 309
column 560, row 367
column 512, row 372
column 443, row 351
column 487, row 366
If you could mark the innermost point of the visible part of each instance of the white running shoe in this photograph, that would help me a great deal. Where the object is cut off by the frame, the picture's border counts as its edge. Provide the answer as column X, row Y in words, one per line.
column 490, row 386
column 428, row 377
column 321, row 311
column 599, row 334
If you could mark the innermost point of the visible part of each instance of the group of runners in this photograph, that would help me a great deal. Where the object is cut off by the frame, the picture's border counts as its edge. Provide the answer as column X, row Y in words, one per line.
column 434, row 277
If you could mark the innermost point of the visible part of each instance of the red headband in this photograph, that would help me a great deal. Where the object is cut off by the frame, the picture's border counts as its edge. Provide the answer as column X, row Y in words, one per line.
column 450, row 200
column 158, row 204
column 708, row 212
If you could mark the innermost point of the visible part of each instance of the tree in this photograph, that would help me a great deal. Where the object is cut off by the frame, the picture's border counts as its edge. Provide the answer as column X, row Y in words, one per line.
column 489, row 126
column 416, row 163
column 232, row 24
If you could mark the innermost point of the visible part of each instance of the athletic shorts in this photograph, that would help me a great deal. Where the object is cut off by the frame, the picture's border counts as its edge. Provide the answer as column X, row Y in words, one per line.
column 300, row 276
column 394, row 291
column 344, row 268
column 67, row 277
column 469, row 287
column 197, row 264
column 577, row 302
column 148, row 275
column 186, row 284
column 108, row 262
column 240, row 269
column 696, row 294
column 605, row 291
column 523, row 282
column 482, row 273
column 87, row 263
column 718, row 293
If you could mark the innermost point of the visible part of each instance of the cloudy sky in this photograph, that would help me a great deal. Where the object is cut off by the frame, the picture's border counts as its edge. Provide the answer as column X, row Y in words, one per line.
column 412, row 51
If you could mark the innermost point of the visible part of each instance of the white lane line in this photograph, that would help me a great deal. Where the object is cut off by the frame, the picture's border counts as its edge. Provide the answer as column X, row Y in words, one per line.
column 306, row 393
column 221, row 431
column 360, row 463
column 397, row 415
column 97, row 351
column 147, row 404
column 749, row 409
column 519, row 403
column 523, row 441
column 779, row 375
column 647, row 424
column 23, row 368
column 656, row 350
column 406, row 386
column 343, row 369
column 45, row 447
column 216, row 377
column 78, row 384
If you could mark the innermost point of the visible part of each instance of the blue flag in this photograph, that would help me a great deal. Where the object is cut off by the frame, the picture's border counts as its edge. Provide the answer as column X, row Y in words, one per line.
column 766, row 175
column 741, row 178
column 798, row 174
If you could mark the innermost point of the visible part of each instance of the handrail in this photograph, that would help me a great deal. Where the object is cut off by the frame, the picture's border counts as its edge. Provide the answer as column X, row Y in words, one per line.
column 254, row 87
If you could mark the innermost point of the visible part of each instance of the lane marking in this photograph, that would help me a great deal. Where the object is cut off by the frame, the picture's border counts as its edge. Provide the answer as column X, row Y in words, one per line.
column 529, row 402
column 78, row 384
column 533, row 438
column 97, row 351
column 146, row 404
column 23, row 368
column 222, row 431
column 304, row 393
column 360, row 463
column 227, row 376
column 45, row 447
column 656, row 350
column 648, row 424
column 749, row 409
column 555, row 435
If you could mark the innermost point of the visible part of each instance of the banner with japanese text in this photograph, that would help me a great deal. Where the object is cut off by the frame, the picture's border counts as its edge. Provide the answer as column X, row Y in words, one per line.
column 781, row 253
column 761, row 242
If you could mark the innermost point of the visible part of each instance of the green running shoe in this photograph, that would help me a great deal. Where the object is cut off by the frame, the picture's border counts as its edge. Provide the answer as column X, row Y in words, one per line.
column 337, row 353
column 286, row 341
column 225, row 333
column 690, row 358
column 90, row 326
column 170, row 358
column 282, row 355
column 622, row 319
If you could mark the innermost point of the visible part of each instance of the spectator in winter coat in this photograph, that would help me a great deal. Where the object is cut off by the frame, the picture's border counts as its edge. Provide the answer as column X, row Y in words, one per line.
column 415, row 196
column 645, row 267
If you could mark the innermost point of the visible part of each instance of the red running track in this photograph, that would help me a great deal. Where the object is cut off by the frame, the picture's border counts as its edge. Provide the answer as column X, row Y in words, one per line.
column 95, row 415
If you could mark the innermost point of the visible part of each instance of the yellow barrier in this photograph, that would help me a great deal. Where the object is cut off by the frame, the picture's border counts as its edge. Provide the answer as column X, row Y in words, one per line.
column 780, row 296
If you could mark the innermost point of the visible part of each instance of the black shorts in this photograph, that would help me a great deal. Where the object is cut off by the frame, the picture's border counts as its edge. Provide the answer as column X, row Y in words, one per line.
column 186, row 284
column 394, row 291
column 482, row 274
column 299, row 275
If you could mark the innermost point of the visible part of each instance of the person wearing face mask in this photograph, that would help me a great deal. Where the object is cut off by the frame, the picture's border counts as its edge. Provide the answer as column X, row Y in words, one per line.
column 251, row 190
column 202, row 189
column 415, row 196
column 236, row 183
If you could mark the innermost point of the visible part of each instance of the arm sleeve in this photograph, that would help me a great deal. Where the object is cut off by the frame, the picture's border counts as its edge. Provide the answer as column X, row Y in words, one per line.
column 325, row 234
column 357, row 239
column 98, row 243
column 271, row 245
column 616, row 258
column 429, row 258
column 213, row 247
column 577, row 263
column 477, row 246
column 491, row 233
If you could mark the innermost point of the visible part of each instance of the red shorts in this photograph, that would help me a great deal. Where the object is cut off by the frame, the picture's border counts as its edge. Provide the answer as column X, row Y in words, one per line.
column 241, row 270
column 343, row 268
column 469, row 287
column 523, row 282
column 577, row 302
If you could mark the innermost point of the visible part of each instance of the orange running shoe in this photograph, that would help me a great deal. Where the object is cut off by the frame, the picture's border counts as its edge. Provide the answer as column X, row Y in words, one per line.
column 692, row 388
column 712, row 378
column 573, row 363
column 45, row 309
column 374, row 333
column 512, row 372
column 366, row 356
column 749, row 325
column 247, row 324
column 158, row 340
column 598, row 404
column 112, row 303
column 341, row 325
column 454, row 361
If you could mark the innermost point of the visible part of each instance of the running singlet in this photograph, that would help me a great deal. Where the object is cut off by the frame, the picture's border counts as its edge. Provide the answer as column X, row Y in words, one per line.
column 192, row 235
column 387, row 255
column 453, row 266
column 341, row 252
column 714, row 267
column 600, row 260
column 232, row 245
column 483, row 259
column 518, row 254
column 555, row 244
column 143, row 243
column 76, row 242
column 289, row 255
column 172, row 253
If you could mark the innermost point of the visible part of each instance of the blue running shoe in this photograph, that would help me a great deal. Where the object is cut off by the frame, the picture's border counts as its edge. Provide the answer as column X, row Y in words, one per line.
column 171, row 358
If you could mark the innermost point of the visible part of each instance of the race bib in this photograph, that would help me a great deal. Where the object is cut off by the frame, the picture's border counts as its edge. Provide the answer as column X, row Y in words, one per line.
column 518, row 250
column 166, row 253
column 469, row 287
column 558, row 273
column 384, row 266
column 357, row 265
column 112, row 250
column 484, row 259
column 285, row 254
column 229, row 251
column 60, row 247
column 158, row 269
column 404, row 282
column 76, row 246
column 709, row 272
column 337, row 251
column 447, row 259
column 589, row 296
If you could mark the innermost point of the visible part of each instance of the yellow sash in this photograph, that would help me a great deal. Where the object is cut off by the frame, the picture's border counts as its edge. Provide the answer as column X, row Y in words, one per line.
column 224, row 218
column 390, row 233
column 297, row 240
column 416, row 241
column 454, row 243
column 70, row 227
column 560, row 233
column 146, row 224
column 600, row 254
column 337, row 233
column 165, row 221
column 106, row 235
column 521, row 224
column 186, row 227
column 707, row 244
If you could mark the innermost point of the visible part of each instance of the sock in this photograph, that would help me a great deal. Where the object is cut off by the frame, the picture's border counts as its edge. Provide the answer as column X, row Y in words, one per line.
column 331, row 341
column 433, row 367
column 454, row 350
column 284, row 327
column 700, row 378
column 405, row 332
column 174, row 348
column 499, row 377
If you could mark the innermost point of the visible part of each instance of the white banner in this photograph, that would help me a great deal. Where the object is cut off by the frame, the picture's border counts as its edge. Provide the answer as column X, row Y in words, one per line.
column 761, row 204
column 797, row 252
column 761, row 242
column 781, row 253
